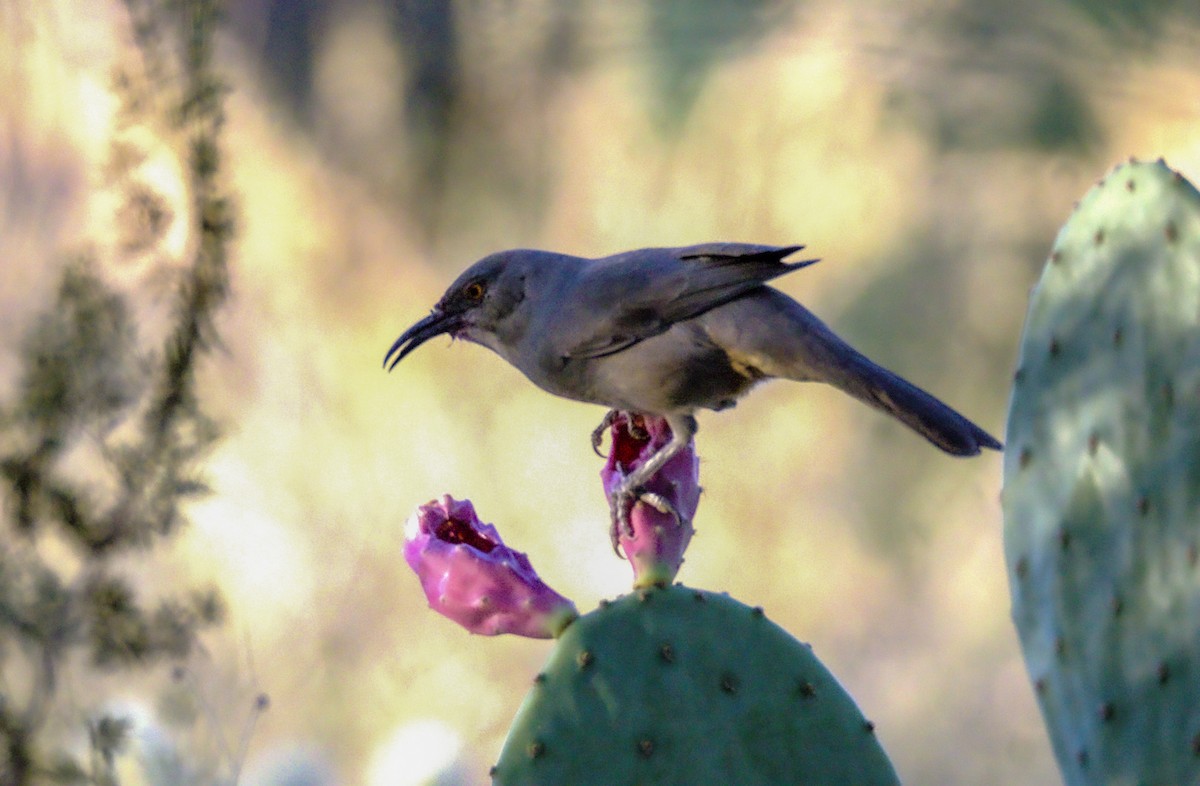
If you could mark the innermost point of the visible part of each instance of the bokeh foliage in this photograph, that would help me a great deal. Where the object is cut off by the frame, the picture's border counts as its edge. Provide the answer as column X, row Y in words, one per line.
column 102, row 443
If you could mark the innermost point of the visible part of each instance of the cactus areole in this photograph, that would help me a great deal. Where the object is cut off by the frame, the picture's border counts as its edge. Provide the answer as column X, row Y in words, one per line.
column 679, row 687
column 668, row 685
column 1102, row 484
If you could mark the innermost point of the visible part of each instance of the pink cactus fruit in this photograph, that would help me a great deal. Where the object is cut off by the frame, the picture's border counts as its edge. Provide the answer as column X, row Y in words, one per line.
column 659, row 538
column 471, row 577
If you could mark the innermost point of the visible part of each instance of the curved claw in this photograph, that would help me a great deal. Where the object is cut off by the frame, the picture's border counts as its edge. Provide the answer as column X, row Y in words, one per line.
column 662, row 505
column 621, row 504
column 598, row 432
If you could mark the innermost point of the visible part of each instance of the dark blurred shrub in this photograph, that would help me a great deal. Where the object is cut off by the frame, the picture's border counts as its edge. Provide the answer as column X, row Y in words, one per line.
column 100, row 448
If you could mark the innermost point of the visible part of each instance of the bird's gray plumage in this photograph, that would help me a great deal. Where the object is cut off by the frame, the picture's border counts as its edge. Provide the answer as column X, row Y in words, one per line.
column 668, row 331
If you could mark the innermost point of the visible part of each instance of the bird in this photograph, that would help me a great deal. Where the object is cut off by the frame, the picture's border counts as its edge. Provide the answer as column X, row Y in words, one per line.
column 667, row 332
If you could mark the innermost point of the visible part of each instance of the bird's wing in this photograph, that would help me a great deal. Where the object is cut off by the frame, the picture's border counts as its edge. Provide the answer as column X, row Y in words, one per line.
column 629, row 297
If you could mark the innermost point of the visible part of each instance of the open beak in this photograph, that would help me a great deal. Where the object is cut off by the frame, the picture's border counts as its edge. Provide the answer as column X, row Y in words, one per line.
column 437, row 323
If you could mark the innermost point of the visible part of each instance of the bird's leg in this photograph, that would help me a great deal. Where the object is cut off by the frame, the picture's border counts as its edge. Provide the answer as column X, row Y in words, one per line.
column 683, row 428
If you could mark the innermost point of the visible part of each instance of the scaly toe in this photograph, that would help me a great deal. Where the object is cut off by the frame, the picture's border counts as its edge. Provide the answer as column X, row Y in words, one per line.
column 620, row 505
column 598, row 432
column 662, row 505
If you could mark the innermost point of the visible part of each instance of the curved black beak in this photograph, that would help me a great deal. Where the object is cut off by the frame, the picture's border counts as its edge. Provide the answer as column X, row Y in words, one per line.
column 437, row 323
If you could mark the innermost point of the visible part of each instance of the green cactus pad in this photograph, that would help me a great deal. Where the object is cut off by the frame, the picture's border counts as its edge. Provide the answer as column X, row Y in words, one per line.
column 1102, row 484
column 677, row 686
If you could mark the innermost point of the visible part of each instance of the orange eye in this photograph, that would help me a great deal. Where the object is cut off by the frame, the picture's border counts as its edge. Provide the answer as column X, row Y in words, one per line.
column 473, row 291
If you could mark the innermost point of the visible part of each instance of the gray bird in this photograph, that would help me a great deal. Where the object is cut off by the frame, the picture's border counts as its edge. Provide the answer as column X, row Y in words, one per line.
column 667, row 331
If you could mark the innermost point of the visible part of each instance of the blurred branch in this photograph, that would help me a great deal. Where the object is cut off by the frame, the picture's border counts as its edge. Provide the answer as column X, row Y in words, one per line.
column 104, row 437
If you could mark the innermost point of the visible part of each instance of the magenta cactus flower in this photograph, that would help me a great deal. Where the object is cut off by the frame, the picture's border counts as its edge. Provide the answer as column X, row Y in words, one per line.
column 471, row 577
column 661, row 522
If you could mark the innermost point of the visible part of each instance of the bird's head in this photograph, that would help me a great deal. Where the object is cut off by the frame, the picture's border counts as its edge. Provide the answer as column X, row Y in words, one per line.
column 482, row 305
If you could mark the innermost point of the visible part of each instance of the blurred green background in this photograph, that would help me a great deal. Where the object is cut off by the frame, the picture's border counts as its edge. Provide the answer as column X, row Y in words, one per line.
column 927, row 151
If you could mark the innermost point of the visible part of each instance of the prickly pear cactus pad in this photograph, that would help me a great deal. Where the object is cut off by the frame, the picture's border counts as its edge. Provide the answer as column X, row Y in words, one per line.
column 677, row 686
column 1102, row 484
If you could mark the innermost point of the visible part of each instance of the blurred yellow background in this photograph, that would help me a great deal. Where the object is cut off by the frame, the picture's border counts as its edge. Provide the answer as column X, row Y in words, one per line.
column 927, row 152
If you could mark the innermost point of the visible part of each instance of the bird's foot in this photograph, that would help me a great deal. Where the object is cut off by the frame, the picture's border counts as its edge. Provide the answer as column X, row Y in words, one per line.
column 633, row 425
column 622, row 502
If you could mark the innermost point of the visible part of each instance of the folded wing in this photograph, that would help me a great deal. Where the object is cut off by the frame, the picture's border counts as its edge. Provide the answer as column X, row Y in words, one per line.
column 630, row 297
